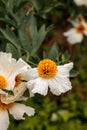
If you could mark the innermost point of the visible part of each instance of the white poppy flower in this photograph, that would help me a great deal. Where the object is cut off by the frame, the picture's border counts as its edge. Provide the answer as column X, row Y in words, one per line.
column 48, row 74
column 75, row 34
column 11, row 71
column 15, row 109
column 8, row 104
column 80, row 2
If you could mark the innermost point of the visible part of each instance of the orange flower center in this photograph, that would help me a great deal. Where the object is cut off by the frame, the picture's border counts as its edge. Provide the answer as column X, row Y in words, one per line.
column 47, row 68
column 18, row 80
column 5, row 106
column 2, row 82
column 80, row 29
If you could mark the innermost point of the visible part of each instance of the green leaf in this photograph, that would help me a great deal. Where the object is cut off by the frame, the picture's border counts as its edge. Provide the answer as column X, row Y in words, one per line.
column 10, row 48
column 37, row 37
column 73, row 73
column 25, row 42
column 9, row 21
column 10, row 36
column 37, row 4
column 65, row 57
column 53, row 53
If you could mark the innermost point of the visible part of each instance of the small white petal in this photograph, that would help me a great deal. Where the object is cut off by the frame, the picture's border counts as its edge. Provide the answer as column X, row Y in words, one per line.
column 32, row 73
column 63, row 70
column 75, row 38
column 4, row 120
column 72, row 36
column 55, row 86
column 69, row 32
column 41, row 86
column 24, row 72
column 21, row 63
column 30, row 86
column 18, row 110
column 59, row 85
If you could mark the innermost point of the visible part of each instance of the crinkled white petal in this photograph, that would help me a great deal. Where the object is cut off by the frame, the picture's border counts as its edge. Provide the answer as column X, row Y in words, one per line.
column 24, row 72
column 6, row 64
column 4, row 120
column 10, row 68
column 15, row 71
column 18, row 110
column 59, row 85
column 63, row 70
column 21, row 63
column 41, row 86
column 30, row 86
column 32, row 73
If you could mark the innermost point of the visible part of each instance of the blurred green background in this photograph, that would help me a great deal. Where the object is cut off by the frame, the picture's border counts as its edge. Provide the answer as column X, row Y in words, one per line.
column 42, row 23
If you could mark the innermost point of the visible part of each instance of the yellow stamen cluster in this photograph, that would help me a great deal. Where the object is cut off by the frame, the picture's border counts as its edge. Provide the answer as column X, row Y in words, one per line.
column 5, row 106
column 80, row 29
column 18, row 80
column 47, row 68
column 2, row 82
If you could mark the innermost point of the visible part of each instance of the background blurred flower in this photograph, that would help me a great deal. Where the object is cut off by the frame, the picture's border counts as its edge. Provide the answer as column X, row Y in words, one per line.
column 75, row 34
column 81, row 2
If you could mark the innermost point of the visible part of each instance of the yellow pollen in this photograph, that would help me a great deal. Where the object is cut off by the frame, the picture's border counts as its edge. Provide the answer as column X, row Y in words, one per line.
column 80, row 29
column 2, row 82
column 18, row 80
column 5, row 106
column 47, row 68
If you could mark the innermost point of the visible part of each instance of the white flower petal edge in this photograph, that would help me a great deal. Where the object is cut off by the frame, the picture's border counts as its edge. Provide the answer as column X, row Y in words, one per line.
column 69, row 32
column 32, row 73
column 30, row 86
column 63, row 70
column 41, row 86
column 4, row 120
column 81, row 2
column 61, row 83
column 73, row 37
column 18, row 111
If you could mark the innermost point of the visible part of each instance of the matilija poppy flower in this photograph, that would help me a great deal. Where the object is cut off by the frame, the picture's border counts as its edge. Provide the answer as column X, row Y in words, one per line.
column 81, row 2
column 75, row 34
column 49, row 75
column 15, row 109
column 10, row 71
column 9, row 104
